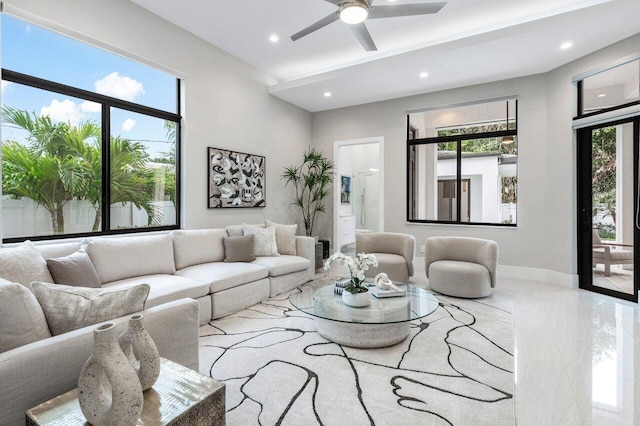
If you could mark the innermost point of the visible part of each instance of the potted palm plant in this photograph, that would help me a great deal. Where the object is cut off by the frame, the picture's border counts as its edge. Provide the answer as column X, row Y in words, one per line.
column 311, row 181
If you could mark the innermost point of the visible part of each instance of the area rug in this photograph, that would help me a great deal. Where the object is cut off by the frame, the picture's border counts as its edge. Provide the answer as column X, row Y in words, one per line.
column 455, row 368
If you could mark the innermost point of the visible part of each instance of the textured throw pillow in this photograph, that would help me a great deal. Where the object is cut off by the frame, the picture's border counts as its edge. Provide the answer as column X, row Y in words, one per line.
column 285, row 237
column 264, row 240
column 75, row 269
column 23, row 265
column 239, row 249
column 68, row 308
column 22, row 320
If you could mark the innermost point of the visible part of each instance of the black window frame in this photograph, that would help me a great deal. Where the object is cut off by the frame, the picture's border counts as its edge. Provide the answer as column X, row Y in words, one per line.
column 458, row 139
column 106, row 102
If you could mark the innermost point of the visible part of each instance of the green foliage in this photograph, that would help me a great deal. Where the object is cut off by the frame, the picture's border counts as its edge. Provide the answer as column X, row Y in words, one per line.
column 604, row 171
column 311, row 181
column 62, row 162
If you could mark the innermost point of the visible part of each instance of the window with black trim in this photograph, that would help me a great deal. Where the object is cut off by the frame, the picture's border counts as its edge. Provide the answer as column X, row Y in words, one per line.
column 90, row 140
column 462, row 169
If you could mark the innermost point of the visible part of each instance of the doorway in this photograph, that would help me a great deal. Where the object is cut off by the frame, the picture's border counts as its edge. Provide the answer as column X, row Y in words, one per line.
column 608, row 222
column 360, row 163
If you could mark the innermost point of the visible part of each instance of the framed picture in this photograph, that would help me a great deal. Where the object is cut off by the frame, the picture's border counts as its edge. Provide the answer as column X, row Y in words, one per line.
column 236, row 179
column 345, row 189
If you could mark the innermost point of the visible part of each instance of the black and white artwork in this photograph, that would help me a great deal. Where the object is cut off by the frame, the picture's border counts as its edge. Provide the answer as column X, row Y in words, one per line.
column 345, row 189
column 236, row 179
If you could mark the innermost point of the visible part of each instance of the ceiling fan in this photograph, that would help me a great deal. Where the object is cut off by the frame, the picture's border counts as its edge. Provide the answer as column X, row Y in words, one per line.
column 355, row 12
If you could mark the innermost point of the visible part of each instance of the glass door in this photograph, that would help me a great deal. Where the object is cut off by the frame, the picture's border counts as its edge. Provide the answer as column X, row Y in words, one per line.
column 608, row 208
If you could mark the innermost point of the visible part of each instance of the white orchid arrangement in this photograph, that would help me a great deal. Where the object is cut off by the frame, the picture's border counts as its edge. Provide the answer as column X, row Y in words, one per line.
column 357, row 268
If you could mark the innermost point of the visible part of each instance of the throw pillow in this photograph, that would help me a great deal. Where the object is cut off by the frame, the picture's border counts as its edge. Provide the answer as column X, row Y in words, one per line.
column 68, row 308
column 75, row 269
column 23, row 265
column 239, row 249
column 264, row 240
column 22, row 320
column 285, row 237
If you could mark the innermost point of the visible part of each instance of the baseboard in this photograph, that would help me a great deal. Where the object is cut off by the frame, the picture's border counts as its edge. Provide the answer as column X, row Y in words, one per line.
column 546, row 275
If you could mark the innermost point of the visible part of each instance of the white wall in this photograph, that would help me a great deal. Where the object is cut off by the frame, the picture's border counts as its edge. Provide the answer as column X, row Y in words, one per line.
column 545, row 236
column 225, row 101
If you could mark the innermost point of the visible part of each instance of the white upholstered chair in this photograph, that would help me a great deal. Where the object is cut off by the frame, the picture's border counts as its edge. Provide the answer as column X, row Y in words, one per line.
column 460, row 266
column 394, row 251
column 609, row 254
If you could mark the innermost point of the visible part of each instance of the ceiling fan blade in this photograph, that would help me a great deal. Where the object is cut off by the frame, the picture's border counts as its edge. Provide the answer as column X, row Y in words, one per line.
column 363, row 36
column 334, row 1
column 404, row 10
column 315, row 27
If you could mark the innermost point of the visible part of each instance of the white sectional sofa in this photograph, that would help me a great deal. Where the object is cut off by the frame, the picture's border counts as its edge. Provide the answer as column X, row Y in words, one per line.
column 190, row 263
column 179, row 266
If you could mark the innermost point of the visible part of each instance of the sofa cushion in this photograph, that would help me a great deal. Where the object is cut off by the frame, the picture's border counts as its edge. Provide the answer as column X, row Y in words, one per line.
column 69, row 308
column 264, row 240
column 285, row 237
column 283, row 265
column 239, row 249
column 23, row 265
column 59, row 249
column 126, row 257
column 22, row 320
column 75, row 269
column 164, row 288
column 221, row 276
column 194, row 246
column 459, row 279
column 238, row 231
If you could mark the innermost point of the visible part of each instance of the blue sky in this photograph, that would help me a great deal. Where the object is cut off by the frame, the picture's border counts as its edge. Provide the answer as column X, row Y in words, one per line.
column 73, row 63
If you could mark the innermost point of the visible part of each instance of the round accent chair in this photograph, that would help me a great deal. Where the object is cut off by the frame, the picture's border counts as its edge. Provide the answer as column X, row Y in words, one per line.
column 394, row 252
column 460, row 266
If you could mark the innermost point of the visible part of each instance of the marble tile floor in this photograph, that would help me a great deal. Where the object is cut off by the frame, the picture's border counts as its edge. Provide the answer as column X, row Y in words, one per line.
column 577, row 353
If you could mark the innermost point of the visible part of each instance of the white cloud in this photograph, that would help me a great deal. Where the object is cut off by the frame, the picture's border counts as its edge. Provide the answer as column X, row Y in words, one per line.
column 5, row 85
column 28, row 28
column 128, row 124
column 90, row 107
column 65, row 111
column 120, row 87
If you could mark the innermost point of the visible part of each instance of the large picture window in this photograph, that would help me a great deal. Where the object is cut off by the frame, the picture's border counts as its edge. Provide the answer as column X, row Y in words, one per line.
column 462, row 168
column 90, row 140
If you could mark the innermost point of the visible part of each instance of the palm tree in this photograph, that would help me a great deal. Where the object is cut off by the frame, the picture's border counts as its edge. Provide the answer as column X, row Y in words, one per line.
column 45, row 170
column 64, row 162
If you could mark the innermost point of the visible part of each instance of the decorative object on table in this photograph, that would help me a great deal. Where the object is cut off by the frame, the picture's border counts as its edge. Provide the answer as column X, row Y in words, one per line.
column 121, row 402
column 311, row 181
column 141, row 351
column 236, row 179
column 341, row 285
column 384, row 287
column 345, row 189
column 355, row 294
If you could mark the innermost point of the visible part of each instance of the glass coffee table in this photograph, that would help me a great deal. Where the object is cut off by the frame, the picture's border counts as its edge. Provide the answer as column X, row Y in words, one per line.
column 385, row 322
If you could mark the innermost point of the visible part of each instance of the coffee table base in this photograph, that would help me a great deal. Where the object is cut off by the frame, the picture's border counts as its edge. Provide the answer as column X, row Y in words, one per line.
column 360, row 335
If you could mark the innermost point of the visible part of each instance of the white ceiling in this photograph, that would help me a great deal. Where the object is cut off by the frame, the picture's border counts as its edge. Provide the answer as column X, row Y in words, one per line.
column 467, row 42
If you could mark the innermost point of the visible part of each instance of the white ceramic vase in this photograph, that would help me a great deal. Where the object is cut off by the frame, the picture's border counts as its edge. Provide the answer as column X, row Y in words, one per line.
column 109, row 391
column 141, row 351
column 357, row 300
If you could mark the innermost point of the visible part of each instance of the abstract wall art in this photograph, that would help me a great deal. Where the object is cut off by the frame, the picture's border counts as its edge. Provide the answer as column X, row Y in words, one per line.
column 236, row 179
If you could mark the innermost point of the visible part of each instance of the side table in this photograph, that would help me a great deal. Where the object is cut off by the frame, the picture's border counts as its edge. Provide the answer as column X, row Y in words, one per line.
column 180, row 397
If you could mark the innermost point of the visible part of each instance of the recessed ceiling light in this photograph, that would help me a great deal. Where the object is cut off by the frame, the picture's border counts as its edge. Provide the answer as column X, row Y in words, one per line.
column 327, row 94
column 424, row 74
column 602, row 95
column 566, row 45
column 273, row 38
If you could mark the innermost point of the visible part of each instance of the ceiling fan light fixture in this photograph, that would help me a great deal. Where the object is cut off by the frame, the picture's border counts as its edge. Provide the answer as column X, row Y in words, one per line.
column 353, row 12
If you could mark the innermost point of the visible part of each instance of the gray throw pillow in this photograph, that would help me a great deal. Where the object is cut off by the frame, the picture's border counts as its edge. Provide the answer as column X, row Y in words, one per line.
column 285, row 237
column 22, row 320
column 75, row 269
column 68, row 308
column 23, row 265
column 239, row 249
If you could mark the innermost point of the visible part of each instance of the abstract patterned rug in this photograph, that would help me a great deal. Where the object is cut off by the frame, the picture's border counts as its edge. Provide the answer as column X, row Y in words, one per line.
column 455, row 368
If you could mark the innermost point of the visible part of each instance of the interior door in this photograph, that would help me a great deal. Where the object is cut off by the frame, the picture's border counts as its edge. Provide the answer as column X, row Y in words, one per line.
column 608, row 208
